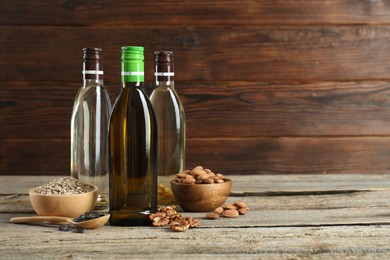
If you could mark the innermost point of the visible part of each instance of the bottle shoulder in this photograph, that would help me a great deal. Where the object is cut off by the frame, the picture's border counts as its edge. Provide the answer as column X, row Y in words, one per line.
column 132, row 92
column 163, row 92
column 91, row 96
column 165, row 97
column 134, row 97
column 132, row 105
column 92, row 91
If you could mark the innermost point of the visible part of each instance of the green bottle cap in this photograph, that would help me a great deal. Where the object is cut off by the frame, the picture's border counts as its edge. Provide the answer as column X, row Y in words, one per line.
column 132, row 64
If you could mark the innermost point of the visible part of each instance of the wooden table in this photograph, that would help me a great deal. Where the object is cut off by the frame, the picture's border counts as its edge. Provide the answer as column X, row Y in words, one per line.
column 291, row 217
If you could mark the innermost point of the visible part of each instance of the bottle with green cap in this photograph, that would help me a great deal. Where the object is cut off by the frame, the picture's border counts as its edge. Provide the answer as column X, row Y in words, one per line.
column 133, row 147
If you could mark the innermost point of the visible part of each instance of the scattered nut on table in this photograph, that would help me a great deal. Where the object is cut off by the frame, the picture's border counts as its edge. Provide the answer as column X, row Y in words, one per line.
column 232, row 210
column 167, row 215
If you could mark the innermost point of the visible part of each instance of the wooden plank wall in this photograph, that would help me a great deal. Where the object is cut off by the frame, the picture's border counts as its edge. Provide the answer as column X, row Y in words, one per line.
column 269, row 87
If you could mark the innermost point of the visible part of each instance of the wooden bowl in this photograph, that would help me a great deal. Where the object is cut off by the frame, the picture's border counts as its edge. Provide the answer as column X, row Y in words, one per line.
column 63, row 205
column 201, row 197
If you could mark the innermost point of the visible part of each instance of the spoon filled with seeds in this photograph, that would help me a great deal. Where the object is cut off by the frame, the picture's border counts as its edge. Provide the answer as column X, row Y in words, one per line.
column 88, row 220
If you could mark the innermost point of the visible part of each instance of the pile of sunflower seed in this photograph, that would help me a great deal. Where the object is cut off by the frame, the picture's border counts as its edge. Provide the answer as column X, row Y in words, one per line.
column 64, row 186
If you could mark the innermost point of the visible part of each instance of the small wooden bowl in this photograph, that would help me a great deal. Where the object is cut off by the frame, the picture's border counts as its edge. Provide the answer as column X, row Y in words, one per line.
column 63, row 205
column 201, row 197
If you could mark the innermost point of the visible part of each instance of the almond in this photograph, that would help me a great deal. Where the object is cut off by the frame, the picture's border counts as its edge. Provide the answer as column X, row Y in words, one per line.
column 241, row 204
column 242, row 211
column 197, row 168
column 215, row 178
column 229, row 206
column 230, row 213
column 199, row 174
column 219, row 175
column 219, row 210
column 181, row 175
column 208, row 181
column 189, row 180
column 212, row 215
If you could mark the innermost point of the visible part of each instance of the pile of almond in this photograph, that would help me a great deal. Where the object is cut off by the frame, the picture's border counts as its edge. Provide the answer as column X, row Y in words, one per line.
column 199, row 175
column 229, row 210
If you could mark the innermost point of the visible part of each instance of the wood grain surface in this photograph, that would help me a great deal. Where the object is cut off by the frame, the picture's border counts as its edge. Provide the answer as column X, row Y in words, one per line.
column 219, row 109
column 186, row 12
column 263, row 155
column 337, row 216
column 268, row 87
column 222, row 53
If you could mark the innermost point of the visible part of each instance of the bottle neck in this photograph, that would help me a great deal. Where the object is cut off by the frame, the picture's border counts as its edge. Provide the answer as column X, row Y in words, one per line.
column 132, row 74
column 164, row 75
column 92, row 66
column 132, row 84
column 92, row 72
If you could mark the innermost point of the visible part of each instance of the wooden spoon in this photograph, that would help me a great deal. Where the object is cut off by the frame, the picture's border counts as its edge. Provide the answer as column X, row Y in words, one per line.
column 92, row 223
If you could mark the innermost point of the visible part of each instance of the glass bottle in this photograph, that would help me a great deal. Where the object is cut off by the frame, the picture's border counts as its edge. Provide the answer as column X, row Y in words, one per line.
column 170, row 119
column 133, row 147
column 89, row 127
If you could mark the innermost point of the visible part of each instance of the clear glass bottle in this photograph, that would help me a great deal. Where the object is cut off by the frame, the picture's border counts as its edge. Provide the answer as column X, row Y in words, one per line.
column 170, row 119
column 89, row 128
column 133, row 147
